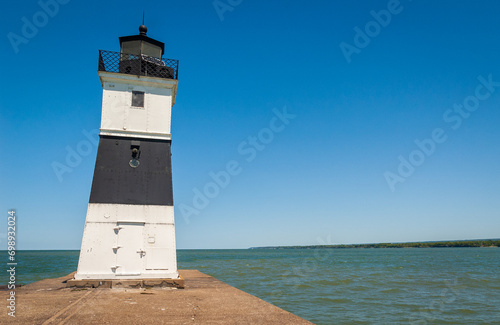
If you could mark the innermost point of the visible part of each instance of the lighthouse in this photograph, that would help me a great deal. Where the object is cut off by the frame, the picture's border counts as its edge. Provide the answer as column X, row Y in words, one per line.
column 129, row 228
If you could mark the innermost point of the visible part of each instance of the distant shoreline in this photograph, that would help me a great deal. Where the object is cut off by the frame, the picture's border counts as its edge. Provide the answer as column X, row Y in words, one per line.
column 439, row 244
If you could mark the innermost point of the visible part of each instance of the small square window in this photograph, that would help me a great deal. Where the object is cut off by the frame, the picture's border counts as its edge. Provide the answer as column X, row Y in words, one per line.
column 138, row 98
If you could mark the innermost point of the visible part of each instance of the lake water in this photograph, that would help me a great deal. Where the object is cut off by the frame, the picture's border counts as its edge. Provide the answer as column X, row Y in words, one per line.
column 339, row 286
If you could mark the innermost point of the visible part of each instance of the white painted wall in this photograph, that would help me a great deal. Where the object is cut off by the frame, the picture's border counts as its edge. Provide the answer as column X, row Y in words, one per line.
column 122, row 241
column 120, row 118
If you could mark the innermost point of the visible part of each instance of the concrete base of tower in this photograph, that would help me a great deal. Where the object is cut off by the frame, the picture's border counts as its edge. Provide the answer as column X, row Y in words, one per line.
column 139, row 276
column 128, row 283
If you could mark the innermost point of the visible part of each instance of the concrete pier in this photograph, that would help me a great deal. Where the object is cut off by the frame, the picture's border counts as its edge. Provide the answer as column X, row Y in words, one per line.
column 204, row 300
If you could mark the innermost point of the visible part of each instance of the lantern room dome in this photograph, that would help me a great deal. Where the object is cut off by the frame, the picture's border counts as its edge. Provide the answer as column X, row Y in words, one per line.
column 141, row 44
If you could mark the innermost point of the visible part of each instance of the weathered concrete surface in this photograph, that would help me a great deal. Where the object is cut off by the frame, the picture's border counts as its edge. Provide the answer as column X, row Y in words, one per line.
column 205, row 300
column 138, row 283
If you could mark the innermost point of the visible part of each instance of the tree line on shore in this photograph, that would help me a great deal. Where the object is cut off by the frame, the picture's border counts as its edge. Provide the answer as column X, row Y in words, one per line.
column 457, row 243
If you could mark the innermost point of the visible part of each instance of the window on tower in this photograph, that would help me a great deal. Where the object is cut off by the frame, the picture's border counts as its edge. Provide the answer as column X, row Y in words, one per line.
column 138, row 98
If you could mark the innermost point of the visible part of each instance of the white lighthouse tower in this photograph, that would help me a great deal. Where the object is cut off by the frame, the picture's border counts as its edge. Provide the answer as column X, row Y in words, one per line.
column 129, row 230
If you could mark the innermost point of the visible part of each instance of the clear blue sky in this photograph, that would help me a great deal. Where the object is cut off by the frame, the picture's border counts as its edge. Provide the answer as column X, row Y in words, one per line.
column 330, row 175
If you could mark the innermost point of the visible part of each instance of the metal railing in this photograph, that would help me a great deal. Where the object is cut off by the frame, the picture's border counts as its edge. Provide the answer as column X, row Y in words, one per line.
column 141, row 65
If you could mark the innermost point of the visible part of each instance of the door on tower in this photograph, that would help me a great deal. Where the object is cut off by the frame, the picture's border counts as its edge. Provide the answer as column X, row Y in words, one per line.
column 130, row 254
